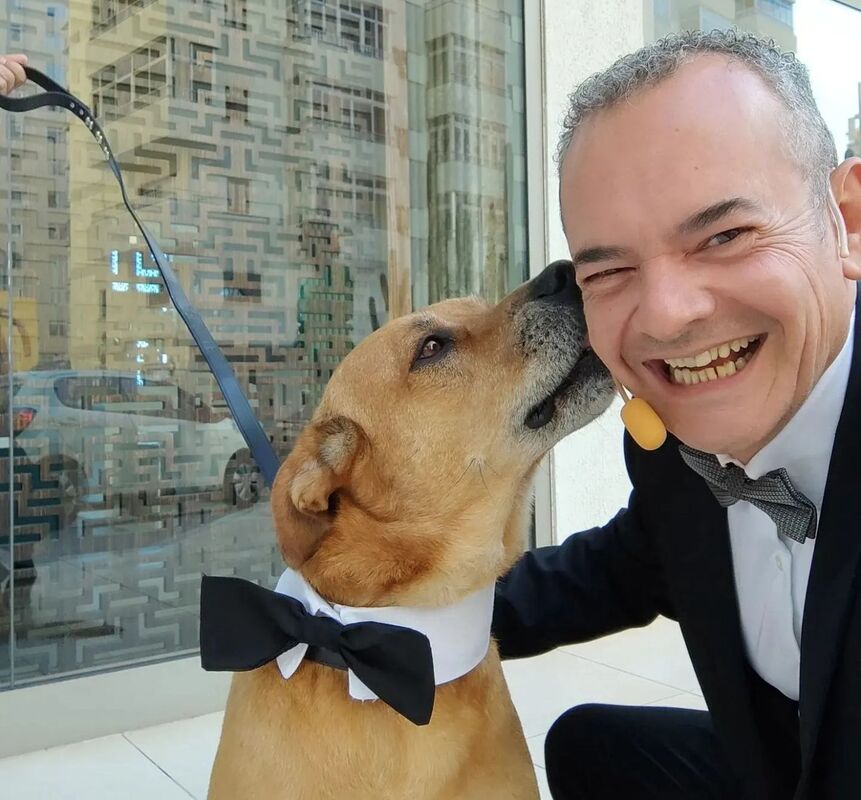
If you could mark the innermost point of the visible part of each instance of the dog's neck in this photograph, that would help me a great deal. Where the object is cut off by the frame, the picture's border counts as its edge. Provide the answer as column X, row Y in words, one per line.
column 459, row 633
column 365, row 561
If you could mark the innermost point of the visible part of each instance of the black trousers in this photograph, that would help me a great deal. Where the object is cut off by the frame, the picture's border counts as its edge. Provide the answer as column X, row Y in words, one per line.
column 601, row 752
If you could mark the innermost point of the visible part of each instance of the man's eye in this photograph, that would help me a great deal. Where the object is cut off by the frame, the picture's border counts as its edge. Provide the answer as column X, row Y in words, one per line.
column 596, row 277
column 725, row 236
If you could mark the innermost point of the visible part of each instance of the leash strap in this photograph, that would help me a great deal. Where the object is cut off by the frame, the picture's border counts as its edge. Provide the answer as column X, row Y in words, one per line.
column 258, row 443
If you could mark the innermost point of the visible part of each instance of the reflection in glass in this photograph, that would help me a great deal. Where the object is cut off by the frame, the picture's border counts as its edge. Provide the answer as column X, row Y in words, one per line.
column 311, row 167
column 771, row 19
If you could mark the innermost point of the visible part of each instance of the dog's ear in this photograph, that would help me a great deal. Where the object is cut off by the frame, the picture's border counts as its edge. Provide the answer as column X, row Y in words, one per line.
column 304, row 495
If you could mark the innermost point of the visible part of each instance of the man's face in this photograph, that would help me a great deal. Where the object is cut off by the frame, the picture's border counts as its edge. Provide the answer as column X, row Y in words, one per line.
column 695, row 240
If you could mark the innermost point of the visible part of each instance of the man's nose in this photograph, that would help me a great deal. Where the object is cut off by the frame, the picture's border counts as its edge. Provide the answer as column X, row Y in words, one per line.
column 671, row 298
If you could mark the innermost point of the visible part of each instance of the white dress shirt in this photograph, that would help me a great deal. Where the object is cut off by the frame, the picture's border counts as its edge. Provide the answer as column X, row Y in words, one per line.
column 771, row 571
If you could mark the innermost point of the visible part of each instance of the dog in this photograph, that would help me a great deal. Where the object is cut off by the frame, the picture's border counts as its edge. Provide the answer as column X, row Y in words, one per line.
column 411, row 486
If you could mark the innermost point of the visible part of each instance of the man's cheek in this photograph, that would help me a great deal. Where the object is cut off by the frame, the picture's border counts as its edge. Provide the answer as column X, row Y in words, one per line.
column 603, row 337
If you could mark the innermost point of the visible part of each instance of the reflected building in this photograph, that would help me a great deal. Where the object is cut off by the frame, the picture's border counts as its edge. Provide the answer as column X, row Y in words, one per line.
column 34, row 233
column 772, row 19
column 311, row 168
column 304, row 184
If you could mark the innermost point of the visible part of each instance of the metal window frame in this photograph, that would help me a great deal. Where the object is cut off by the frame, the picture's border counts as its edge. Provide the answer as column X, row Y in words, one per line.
column 536, row 189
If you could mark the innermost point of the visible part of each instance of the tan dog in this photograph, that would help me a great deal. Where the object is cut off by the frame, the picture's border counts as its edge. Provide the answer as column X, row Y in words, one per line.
column 411, row 487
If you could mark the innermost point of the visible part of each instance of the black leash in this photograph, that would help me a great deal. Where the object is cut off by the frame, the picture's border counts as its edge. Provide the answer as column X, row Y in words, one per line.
column 258, row 443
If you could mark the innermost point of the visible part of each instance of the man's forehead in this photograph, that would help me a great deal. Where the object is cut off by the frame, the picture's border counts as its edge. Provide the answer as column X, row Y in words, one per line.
column 710, row 100
column 701, row 137
column 706, row 81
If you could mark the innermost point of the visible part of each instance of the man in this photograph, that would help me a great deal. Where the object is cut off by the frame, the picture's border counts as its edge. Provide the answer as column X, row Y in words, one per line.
column 717, row 243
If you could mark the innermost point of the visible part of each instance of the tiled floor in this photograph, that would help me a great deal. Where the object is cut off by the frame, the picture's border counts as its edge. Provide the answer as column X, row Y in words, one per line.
column 172, row 762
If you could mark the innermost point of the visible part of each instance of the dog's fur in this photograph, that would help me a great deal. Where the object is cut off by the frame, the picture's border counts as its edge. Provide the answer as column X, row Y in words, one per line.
column 411, row 487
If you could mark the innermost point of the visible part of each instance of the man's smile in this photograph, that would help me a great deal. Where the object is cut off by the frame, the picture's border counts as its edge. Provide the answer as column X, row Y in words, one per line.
column 711, row 364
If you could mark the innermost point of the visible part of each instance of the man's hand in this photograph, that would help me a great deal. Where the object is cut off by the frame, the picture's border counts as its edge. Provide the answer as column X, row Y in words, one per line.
column 12, row 72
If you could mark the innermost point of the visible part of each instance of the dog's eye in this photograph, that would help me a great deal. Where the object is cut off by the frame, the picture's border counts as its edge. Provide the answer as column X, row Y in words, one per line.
column 432, row 348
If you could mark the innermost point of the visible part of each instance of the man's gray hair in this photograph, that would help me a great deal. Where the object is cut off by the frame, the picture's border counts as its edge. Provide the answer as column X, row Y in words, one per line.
column 809, row 141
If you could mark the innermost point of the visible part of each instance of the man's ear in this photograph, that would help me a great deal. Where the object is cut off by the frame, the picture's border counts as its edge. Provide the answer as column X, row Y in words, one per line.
column 846, row 186
column 304, row 495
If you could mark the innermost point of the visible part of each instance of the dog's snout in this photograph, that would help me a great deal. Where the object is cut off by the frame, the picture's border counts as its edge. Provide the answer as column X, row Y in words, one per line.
column 556, row 284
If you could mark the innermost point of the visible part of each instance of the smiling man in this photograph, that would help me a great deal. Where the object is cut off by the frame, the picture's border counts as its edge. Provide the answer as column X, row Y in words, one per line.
column 717, row 243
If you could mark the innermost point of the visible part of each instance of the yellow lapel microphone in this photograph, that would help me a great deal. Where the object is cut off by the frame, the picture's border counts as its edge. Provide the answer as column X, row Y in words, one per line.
column 641, row 421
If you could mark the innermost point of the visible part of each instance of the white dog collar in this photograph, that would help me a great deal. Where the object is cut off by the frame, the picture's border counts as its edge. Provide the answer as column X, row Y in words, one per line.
column 459, row 634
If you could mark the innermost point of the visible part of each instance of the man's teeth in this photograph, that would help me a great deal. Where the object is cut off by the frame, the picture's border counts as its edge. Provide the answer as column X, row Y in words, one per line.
column 700, row 369
column 690, row 376
column 707, row 356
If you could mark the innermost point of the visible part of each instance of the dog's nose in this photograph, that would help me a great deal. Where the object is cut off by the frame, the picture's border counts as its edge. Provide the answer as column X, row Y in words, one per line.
column 556, row 284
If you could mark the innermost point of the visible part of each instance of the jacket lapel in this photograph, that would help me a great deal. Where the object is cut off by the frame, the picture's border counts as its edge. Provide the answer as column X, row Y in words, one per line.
column 832, row 582
column 699, row 558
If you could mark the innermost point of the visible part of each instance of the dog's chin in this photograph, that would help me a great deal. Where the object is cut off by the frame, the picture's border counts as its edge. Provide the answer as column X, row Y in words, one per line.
column 584, row 393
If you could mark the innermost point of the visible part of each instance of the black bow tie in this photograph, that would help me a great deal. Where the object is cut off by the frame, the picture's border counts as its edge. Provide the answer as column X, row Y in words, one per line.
column 792, row 513
column 244, row 626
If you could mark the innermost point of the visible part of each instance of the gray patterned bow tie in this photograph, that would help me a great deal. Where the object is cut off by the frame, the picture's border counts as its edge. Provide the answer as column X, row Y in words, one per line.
column 792, row 513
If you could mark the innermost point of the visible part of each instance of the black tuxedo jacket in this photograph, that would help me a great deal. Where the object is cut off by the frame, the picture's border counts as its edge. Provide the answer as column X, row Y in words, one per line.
column 669, row 553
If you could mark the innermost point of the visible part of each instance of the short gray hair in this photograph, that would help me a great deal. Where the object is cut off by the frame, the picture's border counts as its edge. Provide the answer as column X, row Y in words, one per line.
column 809, row 141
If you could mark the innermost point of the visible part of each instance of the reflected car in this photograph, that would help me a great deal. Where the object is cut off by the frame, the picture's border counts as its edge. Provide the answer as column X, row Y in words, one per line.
column 104, row 432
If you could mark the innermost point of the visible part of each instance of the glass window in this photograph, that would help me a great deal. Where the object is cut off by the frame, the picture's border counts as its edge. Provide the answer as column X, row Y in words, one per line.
column 294, row 159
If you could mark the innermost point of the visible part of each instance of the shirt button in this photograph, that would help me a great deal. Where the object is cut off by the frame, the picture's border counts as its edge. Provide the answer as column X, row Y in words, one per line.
column 779, row 561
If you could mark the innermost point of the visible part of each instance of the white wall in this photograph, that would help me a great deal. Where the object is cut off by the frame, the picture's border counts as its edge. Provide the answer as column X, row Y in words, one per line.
column 589, row 479
column 66, row 711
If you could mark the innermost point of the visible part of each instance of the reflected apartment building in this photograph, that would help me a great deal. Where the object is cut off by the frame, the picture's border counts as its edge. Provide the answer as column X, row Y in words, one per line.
column 296, row 175
column 311, row 168
column 34, row 231
column 772, row 19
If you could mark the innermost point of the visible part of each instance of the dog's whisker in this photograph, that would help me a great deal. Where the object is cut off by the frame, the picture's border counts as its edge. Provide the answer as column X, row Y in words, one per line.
column 468, row 467
column 481, row 472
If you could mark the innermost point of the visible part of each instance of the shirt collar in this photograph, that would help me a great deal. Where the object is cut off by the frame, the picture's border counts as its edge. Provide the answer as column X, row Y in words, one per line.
column 459, row 634
column 804, row 456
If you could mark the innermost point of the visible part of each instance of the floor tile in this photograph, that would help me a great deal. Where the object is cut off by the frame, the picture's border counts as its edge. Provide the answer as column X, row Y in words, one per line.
column 656, row 652
column 173, row 761
column 545, row 686
column 99, row 769
column 683, row 700
column 185, row 750
column 536, row 749
column 543, row 788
